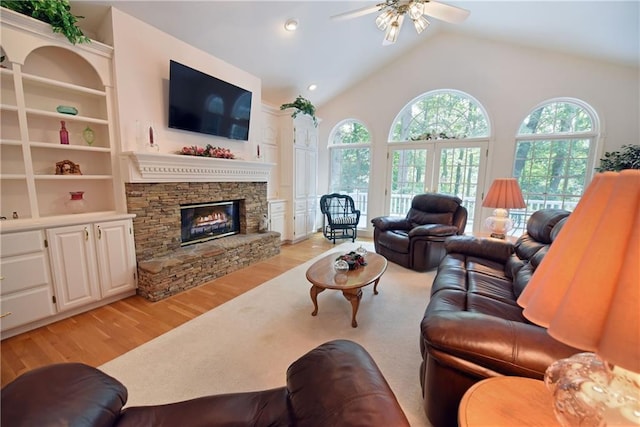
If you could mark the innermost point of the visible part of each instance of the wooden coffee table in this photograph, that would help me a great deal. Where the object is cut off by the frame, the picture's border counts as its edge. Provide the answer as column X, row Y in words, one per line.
column 323, row 276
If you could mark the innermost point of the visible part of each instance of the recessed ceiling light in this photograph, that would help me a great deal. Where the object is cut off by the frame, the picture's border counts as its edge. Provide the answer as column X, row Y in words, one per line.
column 312, row 87
column 291, row 24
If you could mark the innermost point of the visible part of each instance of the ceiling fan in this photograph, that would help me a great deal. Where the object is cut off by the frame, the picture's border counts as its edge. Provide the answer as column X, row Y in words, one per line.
column 392, row 14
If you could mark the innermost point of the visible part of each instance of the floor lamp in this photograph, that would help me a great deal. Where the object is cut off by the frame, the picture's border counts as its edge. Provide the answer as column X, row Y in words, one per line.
column 586, row 292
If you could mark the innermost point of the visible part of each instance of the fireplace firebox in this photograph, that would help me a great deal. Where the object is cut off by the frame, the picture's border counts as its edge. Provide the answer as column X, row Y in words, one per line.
column 206, row 221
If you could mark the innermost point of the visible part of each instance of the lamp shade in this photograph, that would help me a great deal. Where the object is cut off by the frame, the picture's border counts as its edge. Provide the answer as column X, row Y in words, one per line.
column 504, row 193
column 586, row 290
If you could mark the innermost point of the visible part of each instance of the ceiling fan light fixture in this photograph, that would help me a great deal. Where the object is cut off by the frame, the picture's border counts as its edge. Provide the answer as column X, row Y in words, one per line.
column 393, row 30
column 416, row 9
column 382, row 21
column 291, row 24
column 420, row 24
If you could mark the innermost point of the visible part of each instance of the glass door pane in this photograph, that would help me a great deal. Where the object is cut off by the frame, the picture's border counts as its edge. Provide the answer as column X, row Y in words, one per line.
column 350, row 169
column 458, row 175
column 409, row 176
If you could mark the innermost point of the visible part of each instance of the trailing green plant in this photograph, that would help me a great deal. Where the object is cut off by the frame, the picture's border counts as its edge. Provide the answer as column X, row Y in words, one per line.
column 302, row 105
column 56, row 13
column 626, row 158
column 433, row 135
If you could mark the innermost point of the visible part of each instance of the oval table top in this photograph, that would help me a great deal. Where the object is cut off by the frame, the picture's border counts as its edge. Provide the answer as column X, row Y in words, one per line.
column 322, row 274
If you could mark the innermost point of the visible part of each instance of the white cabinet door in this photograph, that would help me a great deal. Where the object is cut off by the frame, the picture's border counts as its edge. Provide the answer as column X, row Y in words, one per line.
column 26, row 294
column 73, row 264
column 301, row 173
column 116, row 256
column 277, row 211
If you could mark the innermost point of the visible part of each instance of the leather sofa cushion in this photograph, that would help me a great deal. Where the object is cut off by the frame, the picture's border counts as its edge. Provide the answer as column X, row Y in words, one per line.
column 416, row 218
column 435, row 202
column 322, row 394
column 433, row 230
column 76, row 393
column 541, row 224
column 258, row 408
column 396, row 240
column 491, row 249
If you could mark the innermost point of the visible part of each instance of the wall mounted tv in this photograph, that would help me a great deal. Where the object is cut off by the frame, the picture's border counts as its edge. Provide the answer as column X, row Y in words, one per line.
column 202, row 103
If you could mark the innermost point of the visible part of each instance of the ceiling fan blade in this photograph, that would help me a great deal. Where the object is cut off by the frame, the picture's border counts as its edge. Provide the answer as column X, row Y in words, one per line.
column 356, row 13
column 445, row 12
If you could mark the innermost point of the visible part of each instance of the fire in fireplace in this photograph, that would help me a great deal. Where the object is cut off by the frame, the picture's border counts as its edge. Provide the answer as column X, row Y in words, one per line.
column 205, row 221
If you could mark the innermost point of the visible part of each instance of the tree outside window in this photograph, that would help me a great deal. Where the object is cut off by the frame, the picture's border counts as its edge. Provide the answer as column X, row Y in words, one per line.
column 443, row 114
column 554, row 151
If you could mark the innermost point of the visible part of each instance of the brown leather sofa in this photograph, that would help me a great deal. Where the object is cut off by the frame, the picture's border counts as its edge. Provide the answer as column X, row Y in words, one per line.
column 473, row 327
column 335, row 384
column 417, row 240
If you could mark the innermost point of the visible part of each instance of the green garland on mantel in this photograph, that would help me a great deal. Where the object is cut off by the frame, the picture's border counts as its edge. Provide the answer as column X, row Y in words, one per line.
column 56, row 13
column 302, row 105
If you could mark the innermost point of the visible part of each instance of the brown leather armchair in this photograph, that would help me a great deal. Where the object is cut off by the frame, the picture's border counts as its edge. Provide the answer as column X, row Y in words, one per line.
column 417, row 241
column 335, row 384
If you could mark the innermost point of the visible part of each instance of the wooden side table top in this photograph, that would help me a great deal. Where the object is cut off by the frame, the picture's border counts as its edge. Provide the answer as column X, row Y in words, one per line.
column 507, row 401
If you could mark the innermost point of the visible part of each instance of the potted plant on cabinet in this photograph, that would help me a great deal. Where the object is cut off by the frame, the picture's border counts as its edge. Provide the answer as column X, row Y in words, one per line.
column 302, row 105
column 56, row 13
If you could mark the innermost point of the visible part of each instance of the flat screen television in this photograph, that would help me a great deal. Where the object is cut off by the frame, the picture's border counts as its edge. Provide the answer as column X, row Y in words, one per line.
column 202, row 103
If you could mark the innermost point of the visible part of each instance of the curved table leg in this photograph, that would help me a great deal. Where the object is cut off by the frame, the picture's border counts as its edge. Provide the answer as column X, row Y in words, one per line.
column 375, row 286
column 315, row 290
column 353, row 296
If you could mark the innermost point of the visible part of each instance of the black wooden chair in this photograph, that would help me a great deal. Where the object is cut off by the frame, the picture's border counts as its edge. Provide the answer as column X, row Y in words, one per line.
column 340, row 217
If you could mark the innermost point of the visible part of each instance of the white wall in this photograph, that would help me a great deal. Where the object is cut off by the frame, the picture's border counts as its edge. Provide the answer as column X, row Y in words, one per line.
column 508, row 80
column 141, row 66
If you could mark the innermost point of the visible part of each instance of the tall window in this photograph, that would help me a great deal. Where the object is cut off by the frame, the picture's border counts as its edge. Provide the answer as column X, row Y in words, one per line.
column 437, row 143
column 349, row 150
column 554, row 156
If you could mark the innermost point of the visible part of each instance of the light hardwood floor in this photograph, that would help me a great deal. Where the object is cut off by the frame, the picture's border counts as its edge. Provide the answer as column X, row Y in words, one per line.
column 100, row 335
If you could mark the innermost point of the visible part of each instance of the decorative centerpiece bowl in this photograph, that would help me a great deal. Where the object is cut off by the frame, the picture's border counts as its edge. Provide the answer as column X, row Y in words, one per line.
column 353, row 259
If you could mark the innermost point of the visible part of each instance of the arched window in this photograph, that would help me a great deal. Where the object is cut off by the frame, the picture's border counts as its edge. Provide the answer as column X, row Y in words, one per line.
column 437, row 143
column 350, row 160
column 554, row 156
column 442, row 114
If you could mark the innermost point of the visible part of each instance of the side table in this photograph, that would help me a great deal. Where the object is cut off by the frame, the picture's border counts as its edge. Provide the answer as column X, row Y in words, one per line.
column 507, row 401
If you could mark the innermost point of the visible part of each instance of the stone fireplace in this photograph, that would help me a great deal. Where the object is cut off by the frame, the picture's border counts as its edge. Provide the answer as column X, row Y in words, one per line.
column 165, row 267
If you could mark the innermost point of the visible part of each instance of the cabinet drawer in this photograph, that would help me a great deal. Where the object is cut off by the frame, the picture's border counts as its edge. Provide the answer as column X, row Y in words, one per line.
column 276, row 208
column 26, row 307
column 23, row 272
column 21, row 243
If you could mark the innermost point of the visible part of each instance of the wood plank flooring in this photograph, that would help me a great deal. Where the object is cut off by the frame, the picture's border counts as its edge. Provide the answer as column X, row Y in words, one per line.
column 100, row 335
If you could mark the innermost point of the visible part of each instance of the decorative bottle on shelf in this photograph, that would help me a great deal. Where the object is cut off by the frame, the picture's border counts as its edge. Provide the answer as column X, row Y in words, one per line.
column 76, row 204
column 152, row 146
column 64, row 134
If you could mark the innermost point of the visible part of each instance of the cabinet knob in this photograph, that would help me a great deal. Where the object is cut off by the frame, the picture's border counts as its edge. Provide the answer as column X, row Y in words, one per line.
column 8, row 313
column 99, row 233
column 86, row 234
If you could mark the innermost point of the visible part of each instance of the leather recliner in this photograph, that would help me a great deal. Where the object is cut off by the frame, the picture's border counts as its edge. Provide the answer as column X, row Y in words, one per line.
column 417, row 241
column 473, row 327
column 335, row 384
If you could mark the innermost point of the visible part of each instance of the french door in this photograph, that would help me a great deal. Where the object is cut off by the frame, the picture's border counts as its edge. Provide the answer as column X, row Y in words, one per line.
column 455, row 168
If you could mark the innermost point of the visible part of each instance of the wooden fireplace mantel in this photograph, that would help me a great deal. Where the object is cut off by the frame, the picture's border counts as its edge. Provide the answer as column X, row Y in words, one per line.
column 141, row 167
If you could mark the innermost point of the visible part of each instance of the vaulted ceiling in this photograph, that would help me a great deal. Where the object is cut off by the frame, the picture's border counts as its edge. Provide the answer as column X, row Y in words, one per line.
column 336, row 54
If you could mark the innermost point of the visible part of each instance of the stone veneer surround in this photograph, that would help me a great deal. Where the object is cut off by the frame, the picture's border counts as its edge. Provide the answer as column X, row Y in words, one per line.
column 164, row 266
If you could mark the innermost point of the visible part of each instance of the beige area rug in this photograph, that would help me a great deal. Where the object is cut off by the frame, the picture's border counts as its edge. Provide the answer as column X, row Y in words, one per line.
column 247, row 343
